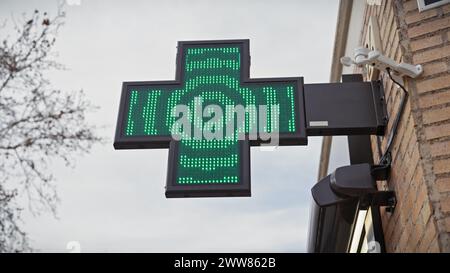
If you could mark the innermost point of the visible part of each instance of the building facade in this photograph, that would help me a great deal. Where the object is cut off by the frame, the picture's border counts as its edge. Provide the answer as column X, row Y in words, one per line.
column 416, row 32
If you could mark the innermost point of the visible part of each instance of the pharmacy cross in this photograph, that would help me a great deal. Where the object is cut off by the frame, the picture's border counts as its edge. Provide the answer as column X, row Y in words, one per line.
column 212, row 79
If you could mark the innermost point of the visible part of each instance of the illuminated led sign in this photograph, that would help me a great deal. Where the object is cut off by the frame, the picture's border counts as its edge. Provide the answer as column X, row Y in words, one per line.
column 209, row 117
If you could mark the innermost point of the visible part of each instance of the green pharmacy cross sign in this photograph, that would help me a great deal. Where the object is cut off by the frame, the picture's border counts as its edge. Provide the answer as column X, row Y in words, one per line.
column 212, row 82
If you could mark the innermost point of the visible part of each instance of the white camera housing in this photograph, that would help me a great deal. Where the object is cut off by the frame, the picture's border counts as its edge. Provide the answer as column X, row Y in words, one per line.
column 364, row 56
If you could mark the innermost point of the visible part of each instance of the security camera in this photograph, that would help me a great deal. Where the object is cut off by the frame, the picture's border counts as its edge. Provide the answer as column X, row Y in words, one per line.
column 364, row 56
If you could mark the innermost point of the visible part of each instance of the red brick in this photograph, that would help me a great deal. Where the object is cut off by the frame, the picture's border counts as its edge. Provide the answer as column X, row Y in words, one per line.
column 390, row 230
column 440, row 148
column 434, row 99
column 414, row 17
column 417, row 179
column 386, row 22
column 399, row 55
column 426, row 42
column 412, row 145
column 431, row 55
column 435, row 115
column 426, row 212
column 406, row 233
column 396, row 235
column 408, row 134
column 434, row 247
column 445, row 204
column 429, row 27
column 434, row 68
column 437, row 131
column 443, row 184
column 411, row 163
column 433, row 84
column 422, row 197
column 447, row 224
column 416, row 235
column 441, row 166
column 410, row 5
column 389, row 38
column 446, row 9
column 428, row 237
column 393, row 45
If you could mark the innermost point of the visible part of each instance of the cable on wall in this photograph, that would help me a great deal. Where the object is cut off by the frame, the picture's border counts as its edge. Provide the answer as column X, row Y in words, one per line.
column 386, row 158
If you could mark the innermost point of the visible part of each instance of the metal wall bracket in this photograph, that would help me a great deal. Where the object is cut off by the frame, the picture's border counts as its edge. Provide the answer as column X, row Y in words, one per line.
column 380, row 172
column 347, row 108
column 354, row 182
column 340, row 196
column 384, row 199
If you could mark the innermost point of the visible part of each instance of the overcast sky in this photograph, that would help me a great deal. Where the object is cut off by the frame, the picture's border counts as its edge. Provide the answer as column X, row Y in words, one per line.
column 114, row 200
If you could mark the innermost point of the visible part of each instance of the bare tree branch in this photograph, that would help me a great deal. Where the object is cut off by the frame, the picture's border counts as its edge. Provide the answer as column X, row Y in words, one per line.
column 37, row 124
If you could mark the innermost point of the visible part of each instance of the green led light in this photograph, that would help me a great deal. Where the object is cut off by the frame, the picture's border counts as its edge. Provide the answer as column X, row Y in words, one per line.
column 212, row 73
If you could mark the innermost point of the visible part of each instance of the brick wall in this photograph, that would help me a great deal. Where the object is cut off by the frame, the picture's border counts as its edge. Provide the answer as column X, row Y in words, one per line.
column 421, row 153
